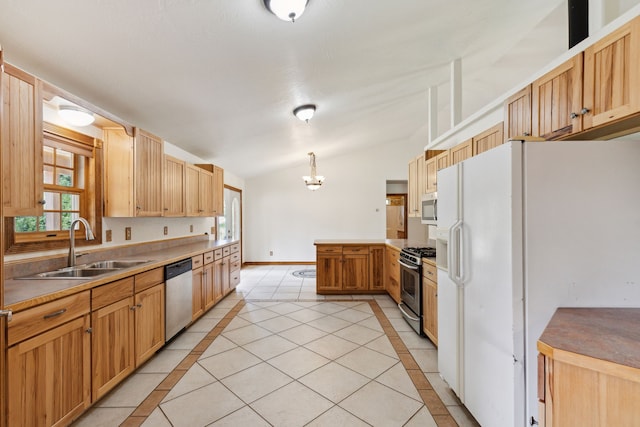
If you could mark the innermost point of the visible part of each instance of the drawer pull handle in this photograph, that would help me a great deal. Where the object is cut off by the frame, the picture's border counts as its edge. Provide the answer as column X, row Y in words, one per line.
column 55, row 314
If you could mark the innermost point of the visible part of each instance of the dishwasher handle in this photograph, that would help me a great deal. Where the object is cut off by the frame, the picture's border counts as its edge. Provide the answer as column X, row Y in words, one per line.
column 177, row 268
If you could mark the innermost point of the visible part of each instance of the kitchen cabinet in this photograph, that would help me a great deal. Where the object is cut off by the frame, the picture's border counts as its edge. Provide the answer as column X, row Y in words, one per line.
column 134, row 174
column 430, row 301
column 112, row 339
column 149, row 314
column 588, row 369
column 226, row 269
column 208, row 283
column 612, row 76
column 49, row 363
column 234, row 265
column 218, row 191
column 392, row 268
column 415, row 186
column 21, row 143
column 430, row 185
column 556, row 101
column 350, row 268
column 174, row 187
column 377, row 267
column 517, row 115
column 442, row 161
column 461, row 152
column 197, row 300
column 488, row 139
column 200, row 187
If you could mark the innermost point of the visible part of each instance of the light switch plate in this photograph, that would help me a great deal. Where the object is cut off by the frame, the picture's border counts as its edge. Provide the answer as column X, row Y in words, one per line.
column 108, row 236
column 127, row 233
column 166, row 230
column 191, row 228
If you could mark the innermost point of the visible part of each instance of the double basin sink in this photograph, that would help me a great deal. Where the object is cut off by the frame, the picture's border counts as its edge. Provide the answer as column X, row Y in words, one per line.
column 88, row 270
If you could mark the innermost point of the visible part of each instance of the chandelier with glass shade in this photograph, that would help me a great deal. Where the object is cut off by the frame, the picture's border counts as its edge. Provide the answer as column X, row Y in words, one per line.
column 313, row 182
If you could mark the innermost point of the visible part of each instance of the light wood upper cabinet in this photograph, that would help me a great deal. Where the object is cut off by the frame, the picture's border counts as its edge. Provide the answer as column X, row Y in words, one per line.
column 21, row 142
column 413, row 191
column 556, row 101
column 461, row 152
column 199, row 191
column 134, row 173
column 612, row 76
column 443, row 160
column 517, row 114
column 207, row 189
column 488, row 139
column 174, row 187
column 430, row 170
column 218, row 191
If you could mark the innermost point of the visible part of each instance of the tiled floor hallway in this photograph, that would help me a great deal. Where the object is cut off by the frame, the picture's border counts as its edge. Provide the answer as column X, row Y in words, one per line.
column 276, row 354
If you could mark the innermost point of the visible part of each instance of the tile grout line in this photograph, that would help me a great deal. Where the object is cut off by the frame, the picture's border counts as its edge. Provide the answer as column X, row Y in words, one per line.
column 432, row 401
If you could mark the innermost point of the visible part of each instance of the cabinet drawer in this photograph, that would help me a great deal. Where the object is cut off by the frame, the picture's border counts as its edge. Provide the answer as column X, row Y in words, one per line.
column 234, row 257
column 226, row 251
column 31, row 322
column 355, row 249
column 429, row 271
column 208, row 257
column 431, row 283
column 111, row 292
column 217, row 254
column 329, row 249
column 197, row 261
column 235, row 248
column 234, row 265
column 149, row 278
column 234, row 278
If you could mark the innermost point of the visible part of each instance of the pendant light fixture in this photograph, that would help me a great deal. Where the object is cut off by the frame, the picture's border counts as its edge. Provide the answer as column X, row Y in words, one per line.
column 287, row 10
column 305, row 112
column 314, row 181
column 75, row 116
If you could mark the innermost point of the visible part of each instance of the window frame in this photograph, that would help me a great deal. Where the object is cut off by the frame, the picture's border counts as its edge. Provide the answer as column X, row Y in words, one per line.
column 91, row 206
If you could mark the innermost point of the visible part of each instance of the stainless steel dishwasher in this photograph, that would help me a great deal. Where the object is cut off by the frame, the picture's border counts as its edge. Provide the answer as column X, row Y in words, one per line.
column 178, row 296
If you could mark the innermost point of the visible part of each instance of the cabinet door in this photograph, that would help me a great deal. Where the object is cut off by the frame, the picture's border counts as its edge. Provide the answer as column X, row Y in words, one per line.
column 430, row 307
column 149, row 322
column 442, row 161
column 556, row 101
column 355, row 272
column 21, row 138
column 218, row 192
column 217, row 280
column 226, row 279
column 206, row 193
column 119, row 175
column 49, row 376
column 413, row 190
column 208, row 284
column 329, row 271
column 393, row 274
column 112, row 344
column 461, row 152
column 376, row 268
column 430, row 168
column 517, row 114
column 197, row 302
column 148, row 155
column 488, row 139
column 174, row 187
column 612, row 76
column 192, row 179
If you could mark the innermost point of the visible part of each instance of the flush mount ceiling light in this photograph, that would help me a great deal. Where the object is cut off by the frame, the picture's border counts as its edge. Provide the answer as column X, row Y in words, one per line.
column 304, row 112
column 314, row 181
column 287, row 10
column 75, row 116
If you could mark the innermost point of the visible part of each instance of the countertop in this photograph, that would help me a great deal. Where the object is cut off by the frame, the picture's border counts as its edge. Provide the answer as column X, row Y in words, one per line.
column 20, row 294
column 399, row 244
column 611, row 334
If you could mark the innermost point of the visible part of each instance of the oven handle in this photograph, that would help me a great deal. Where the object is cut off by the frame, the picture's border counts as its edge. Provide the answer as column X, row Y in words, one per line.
column 407, row 314
column 410, row 267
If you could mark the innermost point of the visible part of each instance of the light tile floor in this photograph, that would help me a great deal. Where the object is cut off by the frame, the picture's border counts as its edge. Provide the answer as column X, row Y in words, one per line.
column 289, row 358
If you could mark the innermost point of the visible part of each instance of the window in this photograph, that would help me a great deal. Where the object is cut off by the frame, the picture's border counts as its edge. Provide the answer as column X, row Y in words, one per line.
column 70, row 184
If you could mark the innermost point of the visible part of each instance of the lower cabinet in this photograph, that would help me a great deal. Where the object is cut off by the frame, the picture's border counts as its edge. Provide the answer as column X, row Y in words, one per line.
column 392, row 284
column 349, row 268
column 430, row 301
column 149, row 322
column 49, row 363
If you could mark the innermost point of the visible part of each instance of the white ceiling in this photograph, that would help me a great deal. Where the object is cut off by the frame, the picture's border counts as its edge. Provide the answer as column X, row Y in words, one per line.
column 220, row 78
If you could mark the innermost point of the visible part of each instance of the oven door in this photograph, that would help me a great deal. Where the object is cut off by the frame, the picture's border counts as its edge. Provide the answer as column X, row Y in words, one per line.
column 410, row 295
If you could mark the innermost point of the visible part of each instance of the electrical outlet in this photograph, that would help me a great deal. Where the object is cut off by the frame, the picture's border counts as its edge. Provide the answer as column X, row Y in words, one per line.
column 270, row 253
column 166, row 230
column 127, row 233
column 109, row 236
column 213, row 231
column 191, row 228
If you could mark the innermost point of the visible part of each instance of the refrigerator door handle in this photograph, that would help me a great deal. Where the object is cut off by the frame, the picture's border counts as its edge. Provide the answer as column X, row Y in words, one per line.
column 454, row 272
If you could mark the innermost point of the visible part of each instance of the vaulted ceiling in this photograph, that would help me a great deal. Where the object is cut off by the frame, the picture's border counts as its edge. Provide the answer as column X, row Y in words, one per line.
column 220, row 78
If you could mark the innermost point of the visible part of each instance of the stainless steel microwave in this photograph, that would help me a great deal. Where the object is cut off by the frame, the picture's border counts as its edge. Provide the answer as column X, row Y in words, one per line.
column 429, row 208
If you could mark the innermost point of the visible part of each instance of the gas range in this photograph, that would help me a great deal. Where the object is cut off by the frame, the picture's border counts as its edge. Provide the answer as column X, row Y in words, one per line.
column 414, row 255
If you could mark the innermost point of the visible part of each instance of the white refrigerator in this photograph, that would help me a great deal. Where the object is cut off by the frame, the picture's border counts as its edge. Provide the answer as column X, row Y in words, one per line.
column 523, row 229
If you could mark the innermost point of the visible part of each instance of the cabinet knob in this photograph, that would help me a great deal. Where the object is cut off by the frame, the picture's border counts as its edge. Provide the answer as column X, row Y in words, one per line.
column 584, row 111
column 574, row 116
column 132, row 308
column 42, row 202
column 527, row 134
column 89, row 330
column 139, row 305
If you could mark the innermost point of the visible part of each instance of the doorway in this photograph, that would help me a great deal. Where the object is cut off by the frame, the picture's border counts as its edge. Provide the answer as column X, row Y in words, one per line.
column 230, row 225
column 396, row 216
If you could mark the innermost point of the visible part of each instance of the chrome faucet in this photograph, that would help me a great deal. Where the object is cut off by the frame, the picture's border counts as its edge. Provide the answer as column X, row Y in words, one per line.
column 88, row 234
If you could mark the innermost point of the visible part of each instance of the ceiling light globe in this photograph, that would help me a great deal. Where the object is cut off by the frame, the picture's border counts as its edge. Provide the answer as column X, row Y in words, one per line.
column 287, row 10
column 305, row 112
column 75, row 116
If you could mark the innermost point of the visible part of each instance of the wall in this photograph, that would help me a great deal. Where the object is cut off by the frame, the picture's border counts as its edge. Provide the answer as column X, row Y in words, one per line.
column 283, row 216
